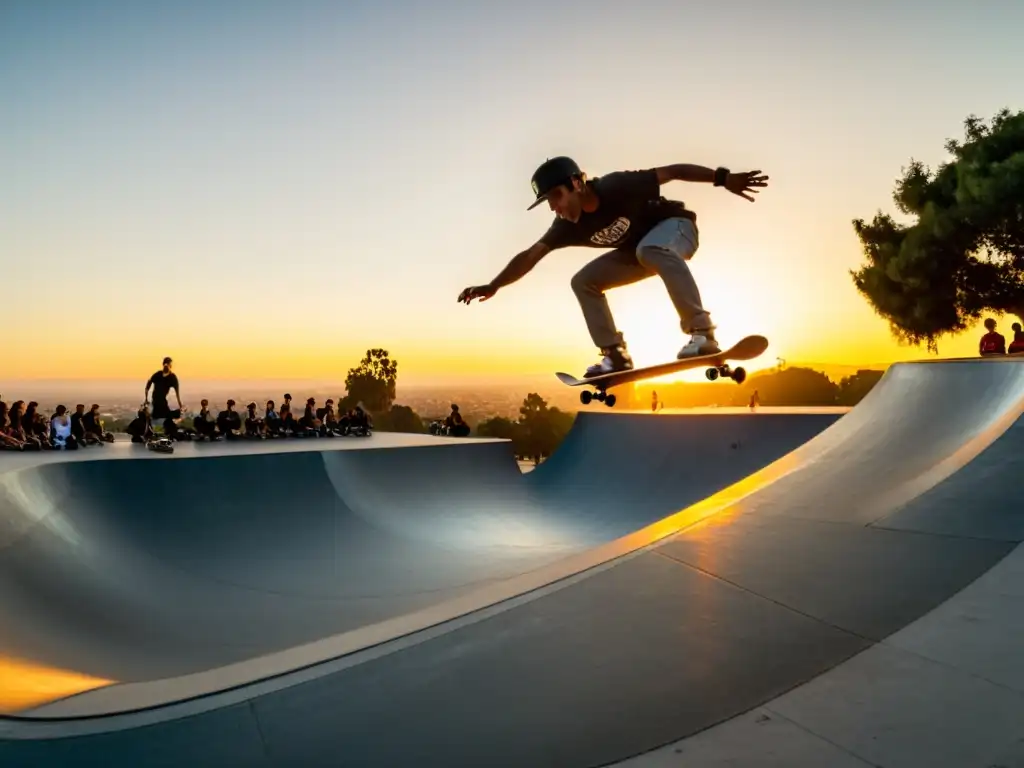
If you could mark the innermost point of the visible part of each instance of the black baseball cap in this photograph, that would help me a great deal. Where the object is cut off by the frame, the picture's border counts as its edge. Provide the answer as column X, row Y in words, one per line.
column 552, row 173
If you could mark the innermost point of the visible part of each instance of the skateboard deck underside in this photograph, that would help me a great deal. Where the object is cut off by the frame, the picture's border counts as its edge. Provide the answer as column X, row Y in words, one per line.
column 745, row 349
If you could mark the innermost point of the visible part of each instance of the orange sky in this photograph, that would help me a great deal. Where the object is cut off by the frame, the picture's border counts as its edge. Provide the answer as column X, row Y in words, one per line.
column 273, row 213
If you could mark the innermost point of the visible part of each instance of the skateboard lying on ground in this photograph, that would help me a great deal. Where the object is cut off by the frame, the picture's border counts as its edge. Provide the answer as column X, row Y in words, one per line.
column 746, row 348
column 161, row 445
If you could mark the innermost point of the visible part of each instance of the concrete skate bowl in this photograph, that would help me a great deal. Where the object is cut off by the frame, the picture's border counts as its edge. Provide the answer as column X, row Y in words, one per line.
column 649, row 638
column 131, row 570
column 615, row 472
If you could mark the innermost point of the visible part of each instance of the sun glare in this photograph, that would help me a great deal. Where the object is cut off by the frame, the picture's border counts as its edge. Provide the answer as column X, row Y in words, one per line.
column 644, row 313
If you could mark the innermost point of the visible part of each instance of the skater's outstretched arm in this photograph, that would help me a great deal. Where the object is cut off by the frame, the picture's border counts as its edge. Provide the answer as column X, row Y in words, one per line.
column 737, row 183
column 685, row 172
column 520, row 264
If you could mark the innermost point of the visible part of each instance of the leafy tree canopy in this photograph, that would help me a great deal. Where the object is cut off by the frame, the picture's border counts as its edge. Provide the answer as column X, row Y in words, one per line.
column 964, row 252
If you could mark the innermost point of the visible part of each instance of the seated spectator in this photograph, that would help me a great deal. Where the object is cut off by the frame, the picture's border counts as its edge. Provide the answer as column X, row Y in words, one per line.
column 229, row 422
column 253, row 423
column 457, row 426
column 328, row 419
column 34, row 426
column 94, row 428
column 292, row 426
column 1017, row 345
column 993, row 342
column 309, row 422
column 78, row 428
column 16, row 429
column 41, row 430
column 178, row 433
column 141, row 427
column 61, row 435
column 204, row 423
column 289, row 426
column 7, row 442
column 272, row 424
column 359, row 422
column 343, row 422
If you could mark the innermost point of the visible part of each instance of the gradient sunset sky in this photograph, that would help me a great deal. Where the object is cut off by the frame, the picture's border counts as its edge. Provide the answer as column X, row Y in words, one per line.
column 267, row 189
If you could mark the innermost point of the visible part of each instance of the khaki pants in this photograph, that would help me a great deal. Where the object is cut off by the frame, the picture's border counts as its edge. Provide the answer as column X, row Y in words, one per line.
column 663, row 252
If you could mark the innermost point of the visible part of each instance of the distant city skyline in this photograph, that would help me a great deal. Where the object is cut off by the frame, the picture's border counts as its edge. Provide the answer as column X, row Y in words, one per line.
column 267, row 191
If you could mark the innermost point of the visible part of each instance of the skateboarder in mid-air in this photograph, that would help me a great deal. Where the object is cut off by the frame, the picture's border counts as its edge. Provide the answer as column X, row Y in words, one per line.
column 649, row 235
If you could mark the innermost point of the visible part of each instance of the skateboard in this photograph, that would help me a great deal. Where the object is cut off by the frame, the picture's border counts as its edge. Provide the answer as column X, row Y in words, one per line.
column 161, row 445
column 746, row 348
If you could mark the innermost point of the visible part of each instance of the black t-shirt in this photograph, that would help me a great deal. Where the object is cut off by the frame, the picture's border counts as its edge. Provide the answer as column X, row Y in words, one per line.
column 631, row 205
column 162, row 385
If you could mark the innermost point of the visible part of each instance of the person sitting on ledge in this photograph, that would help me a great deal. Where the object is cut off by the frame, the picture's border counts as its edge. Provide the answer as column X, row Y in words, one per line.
column 993, row 342
column 15, row 429
column 7, row 442
column 289, row 426
column 60, row 430
column 178, row 433
column 1017, row 345
column 328, row 421
column 272, row 425
column 35, row 426
column 229, row 422
column 204, row 423
column 93, row 427
column 309, row 422
column 253, row 423
column 141, row 427
column 78, row 428
column 359, row 422
column 457, row 426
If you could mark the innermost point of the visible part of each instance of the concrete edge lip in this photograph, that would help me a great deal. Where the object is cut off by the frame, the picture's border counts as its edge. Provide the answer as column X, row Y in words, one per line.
column 123, row 450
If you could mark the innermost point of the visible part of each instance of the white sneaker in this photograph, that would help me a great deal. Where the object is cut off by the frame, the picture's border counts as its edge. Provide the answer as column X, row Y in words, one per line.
column 698, row 345
column 615, row 359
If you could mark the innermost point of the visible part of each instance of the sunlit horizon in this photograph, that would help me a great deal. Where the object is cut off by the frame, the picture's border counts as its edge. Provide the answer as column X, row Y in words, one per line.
column 264, row 193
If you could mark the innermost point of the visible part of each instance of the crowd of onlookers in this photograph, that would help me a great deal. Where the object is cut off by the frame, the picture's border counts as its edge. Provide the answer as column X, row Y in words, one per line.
column 273, row 422
column 994, row 343
column 23, row 427
column 229, row 424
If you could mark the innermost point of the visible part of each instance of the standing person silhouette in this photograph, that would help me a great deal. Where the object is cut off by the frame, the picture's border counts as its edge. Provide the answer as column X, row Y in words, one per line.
column 162, row 382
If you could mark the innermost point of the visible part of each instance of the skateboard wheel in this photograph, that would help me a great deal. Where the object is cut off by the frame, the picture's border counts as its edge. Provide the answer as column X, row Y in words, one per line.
column 739, row 375
column 585, row 397
column 711, row 373
column 609, row 400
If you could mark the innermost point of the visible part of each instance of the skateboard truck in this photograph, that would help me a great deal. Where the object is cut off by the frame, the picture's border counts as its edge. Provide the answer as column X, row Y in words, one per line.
column 737, row 374
column 608, row 398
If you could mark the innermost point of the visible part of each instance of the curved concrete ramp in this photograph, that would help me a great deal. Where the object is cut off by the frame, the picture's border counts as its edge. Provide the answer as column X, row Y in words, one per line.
column 705, row 615
column 123, row 565
column 616, row 472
